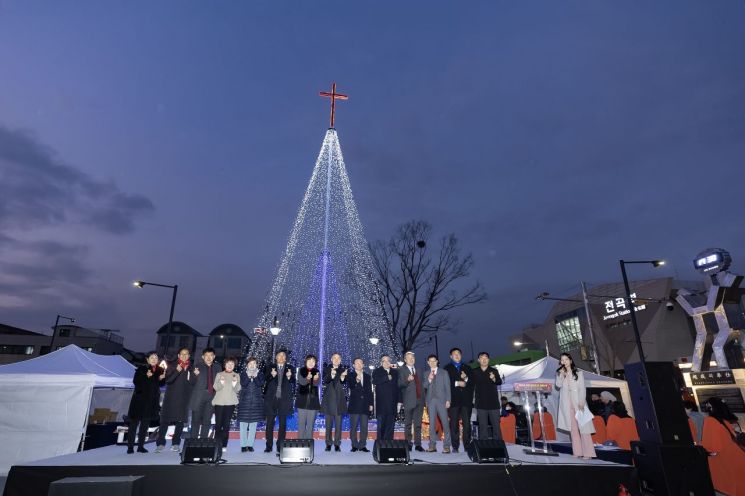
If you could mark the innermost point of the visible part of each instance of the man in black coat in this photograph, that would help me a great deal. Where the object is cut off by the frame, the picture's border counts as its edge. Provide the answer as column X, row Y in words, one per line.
column 145, row 401
column 204, row 392
column 360, row 404
column 461, row 398
column 485, row 381
column 385, row 380
column 278, row 398
column 179, row 381
column 334, row 402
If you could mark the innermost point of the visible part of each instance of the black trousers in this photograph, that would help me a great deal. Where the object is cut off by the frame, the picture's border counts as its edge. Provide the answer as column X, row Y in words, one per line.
column 223, row 415
column 486, row 417
column 463, row 414
column 270, row 426
column 355, row 420
column 386, row 422
column 141, row 436
column 176, row 434
column 201, row 419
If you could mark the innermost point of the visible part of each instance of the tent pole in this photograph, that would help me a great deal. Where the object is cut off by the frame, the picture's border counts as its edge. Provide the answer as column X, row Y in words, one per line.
column 85, row 425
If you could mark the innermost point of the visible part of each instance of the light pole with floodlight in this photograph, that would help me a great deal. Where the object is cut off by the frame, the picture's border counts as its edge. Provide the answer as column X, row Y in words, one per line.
column 141, row 284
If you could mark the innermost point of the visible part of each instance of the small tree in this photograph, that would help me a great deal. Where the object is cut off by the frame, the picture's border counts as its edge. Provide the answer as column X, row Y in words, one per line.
column 420, row 287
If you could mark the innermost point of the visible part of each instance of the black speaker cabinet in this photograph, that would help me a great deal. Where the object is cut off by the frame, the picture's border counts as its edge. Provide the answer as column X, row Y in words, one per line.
column 296, row 451
column 395, row 451
column 672, row 470
column 658, row 405
column 488, row 451
column 130, row 485
column 201, row 451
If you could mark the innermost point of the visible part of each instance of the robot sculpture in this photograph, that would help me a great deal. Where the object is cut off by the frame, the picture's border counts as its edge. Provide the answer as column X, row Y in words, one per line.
column 718, row 308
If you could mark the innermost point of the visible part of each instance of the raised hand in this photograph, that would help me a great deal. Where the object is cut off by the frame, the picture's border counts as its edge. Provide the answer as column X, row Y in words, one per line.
column 359, row 377
column 222, row 379
column 179, row 368
column 162, row 376
column 196, row 371
column 410, row 378
column 463, row 375
column 343, row 375
column 274, row 372
column 333, row 373
column 288, row 374
column 310, row 375
column 149, row 373
column 431, row 376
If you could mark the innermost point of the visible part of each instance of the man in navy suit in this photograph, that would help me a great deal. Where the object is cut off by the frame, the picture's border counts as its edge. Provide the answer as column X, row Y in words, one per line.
column 385, row 379
column 360, row 404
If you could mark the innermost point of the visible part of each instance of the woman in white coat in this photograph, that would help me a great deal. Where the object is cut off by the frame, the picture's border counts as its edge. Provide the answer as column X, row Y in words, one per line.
column 573, row 398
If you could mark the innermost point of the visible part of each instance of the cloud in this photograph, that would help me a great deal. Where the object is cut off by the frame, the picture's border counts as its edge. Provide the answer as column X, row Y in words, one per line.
column 37, row 189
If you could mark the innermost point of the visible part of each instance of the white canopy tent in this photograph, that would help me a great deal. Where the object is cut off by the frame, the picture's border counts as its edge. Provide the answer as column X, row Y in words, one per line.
column 544, row 371
column 46, row 401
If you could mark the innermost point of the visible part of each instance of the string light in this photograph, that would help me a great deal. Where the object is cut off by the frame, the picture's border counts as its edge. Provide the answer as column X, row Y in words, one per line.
column 326, row 269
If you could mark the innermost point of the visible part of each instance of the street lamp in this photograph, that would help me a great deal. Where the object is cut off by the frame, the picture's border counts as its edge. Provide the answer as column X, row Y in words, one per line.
column 224, row 348
column 275, row 330
column 54, row 329
column 434, row 337
column 630, row 305
column 142, row 284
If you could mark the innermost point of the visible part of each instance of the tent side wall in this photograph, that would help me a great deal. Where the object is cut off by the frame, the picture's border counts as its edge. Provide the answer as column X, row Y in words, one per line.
column 41, row 416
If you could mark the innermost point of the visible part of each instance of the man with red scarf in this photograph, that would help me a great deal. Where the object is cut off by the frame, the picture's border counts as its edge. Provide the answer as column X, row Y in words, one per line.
column 179, row 381
column 204, row 391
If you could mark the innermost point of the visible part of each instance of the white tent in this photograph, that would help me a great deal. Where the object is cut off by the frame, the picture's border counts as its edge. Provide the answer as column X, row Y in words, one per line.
column 544, row 370
column 45, row 401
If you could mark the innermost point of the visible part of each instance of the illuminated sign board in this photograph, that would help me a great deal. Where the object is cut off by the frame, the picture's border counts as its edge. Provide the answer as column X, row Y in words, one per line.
column 617, row 308
column 712, row 378
column 712, row 260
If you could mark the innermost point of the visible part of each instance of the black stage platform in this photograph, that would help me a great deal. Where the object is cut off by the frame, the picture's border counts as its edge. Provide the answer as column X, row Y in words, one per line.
column 348, row 474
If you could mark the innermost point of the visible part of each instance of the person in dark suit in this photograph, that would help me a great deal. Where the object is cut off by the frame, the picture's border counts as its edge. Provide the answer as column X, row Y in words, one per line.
column 461, row 399
column 385, row 380
column 179, row 381
column 360, row 404
column 145, row 401
column 437, row 393
column 204, row 391
column 412, row 397
column 485, row 382
column 334, row 402
column 306, row 400
column 278, row 398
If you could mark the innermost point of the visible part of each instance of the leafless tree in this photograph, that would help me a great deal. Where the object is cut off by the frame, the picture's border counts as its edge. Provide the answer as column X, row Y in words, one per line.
column 421, row 286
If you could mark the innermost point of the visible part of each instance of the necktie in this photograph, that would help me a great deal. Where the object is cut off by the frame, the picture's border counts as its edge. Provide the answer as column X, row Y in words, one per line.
column 279, row 381
column 210, row 386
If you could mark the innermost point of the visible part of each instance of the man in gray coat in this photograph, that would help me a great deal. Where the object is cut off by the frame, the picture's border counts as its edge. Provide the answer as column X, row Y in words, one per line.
column 437, row 394
column 412, row 397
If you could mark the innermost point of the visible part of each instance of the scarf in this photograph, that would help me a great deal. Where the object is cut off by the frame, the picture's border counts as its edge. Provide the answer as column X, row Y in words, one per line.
column 184, row 365
column 457, row 365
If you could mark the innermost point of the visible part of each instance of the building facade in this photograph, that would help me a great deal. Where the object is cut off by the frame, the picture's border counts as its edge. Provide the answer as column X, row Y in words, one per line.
column 667, row 332
column 228, row 340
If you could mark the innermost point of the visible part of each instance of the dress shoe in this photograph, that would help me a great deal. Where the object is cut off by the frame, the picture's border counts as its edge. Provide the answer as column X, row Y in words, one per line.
column 419, row 448
column 130, row 451
column 365, row 450
column 328, row 448
column 251, row 449
column 244, row 449
column 446, row 450
column 354, row 449
column 337, row 448
column 432, row 450
column 268, row 449
column 455, row 450
column 141, row 449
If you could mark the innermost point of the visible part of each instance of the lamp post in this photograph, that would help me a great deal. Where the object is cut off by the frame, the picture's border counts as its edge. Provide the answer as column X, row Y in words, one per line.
column 54, row 329
column 437, row 345
column 275, row 330
column 141, row 284
column 224, row 348
column 630, row 305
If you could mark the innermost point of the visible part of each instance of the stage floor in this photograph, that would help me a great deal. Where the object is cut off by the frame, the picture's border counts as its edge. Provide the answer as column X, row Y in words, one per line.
column 116, row 455
column 330, row 474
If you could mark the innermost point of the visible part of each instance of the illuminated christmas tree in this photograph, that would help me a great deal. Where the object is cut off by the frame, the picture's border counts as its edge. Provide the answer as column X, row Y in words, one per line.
column 325, row 296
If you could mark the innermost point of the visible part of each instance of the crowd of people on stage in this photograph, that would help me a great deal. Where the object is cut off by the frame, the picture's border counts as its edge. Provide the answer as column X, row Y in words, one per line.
column 197, row 391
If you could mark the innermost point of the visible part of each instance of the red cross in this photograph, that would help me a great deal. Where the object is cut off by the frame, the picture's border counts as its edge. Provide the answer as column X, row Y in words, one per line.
column 334, row 96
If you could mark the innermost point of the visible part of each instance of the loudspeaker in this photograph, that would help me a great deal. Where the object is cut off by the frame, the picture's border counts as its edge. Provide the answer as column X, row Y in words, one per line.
column 296, row 451
column 658, row 405
column 672, row 470
column 131, row 485
column 201, row 450
column 488, row 451
column 394, row 451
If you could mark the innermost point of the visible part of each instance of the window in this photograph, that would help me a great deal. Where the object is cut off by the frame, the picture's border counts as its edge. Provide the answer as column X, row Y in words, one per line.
column 16, row 349
column 64, row 333
column 184, row 342
column 217, row 341
column 568, row 332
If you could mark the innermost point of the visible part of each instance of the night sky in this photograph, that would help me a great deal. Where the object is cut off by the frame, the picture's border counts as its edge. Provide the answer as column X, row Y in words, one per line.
column 172, row 141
